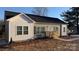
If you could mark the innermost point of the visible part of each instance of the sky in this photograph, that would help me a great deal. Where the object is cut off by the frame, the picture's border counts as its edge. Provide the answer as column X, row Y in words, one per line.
column 52, row 11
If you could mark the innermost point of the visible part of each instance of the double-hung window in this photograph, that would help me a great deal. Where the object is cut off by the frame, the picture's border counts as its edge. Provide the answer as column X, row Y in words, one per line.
column 25, row 29
column 63, row 29
column 55, row 28
column 22, row 30
column 19, row 30
column 39, row 30
column 36, row 30
column 42, row 29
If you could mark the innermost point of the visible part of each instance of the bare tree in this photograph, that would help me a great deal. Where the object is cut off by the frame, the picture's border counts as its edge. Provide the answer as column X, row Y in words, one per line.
column 42, row 11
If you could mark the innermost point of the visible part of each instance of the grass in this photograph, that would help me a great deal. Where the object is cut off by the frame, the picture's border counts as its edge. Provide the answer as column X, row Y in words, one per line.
column 43, row 45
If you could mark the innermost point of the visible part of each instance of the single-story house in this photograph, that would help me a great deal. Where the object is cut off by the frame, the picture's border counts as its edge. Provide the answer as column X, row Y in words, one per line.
column 21, row 26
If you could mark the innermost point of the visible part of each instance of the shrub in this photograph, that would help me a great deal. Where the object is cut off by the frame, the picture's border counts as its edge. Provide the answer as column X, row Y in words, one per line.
column 55, row 35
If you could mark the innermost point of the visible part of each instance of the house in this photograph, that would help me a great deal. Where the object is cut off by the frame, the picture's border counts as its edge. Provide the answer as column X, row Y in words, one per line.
column 20, row 26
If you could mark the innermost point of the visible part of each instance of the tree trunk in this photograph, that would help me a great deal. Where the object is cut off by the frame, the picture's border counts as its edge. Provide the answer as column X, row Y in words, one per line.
column 77, row 27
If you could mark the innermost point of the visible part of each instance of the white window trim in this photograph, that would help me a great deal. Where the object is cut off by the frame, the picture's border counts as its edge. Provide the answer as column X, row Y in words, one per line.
column 22, row 30
column 18, row 30
column 25, row 30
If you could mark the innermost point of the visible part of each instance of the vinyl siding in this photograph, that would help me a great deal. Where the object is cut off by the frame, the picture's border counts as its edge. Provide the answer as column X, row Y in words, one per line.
column 18, row 21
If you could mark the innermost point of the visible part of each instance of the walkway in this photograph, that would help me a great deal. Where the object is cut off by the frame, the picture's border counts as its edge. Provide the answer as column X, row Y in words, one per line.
column 72, row 38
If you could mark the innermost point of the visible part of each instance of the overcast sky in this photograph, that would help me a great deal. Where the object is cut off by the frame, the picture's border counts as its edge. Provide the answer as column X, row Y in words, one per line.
column 52, row 11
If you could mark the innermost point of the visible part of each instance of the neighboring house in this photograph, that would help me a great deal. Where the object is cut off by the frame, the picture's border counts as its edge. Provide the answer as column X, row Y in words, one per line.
column 21, row 26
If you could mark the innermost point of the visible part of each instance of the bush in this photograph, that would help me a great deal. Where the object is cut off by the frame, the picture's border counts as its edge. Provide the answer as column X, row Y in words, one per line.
column 55, row 35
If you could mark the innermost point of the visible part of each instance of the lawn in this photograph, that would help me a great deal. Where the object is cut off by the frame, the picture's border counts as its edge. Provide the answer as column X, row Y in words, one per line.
column 43, row 45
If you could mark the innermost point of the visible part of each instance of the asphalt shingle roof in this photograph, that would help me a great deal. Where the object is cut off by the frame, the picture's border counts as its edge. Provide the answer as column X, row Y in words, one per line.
column 37, row 18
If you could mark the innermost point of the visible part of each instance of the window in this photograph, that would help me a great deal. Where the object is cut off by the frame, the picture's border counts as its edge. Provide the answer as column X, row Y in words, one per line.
column 19, row 30
column 42, row 29
column 39, row 30
column 63, row 29
column 36, row 30
column 55, row 29
column 25, row 29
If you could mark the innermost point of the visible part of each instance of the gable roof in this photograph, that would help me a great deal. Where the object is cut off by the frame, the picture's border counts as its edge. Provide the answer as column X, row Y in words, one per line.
column 36, row 18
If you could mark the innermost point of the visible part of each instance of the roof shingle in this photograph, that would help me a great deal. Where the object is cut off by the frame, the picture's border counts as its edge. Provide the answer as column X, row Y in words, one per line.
column 9, row 14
